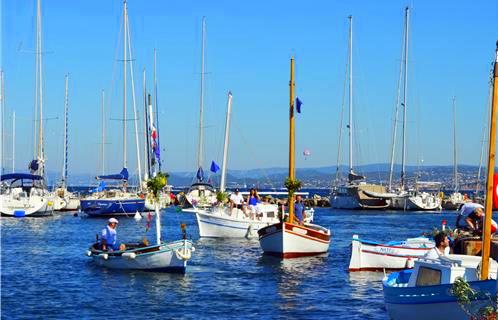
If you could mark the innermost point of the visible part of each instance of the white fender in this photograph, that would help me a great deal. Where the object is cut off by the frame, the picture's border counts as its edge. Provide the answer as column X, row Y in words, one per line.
column 184, row 254
column 89, row 253
column 104, row 256
column 129, row 255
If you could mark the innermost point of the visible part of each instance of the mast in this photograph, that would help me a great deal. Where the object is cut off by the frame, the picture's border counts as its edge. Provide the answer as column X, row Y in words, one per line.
column 292, row 175
column 405, row 91
column 147, row 173
column 350, row 94
column 486, row 243
column 39, row 73
column 490, row 101
column 226, row 143
column 396, row 111
column 102, row 148
column 156, row 112
column 134, row 100
column 455, row 163
column 200, row 155
column 64, row 162
column 2, row 106
column 125, row 24
column 14, row 142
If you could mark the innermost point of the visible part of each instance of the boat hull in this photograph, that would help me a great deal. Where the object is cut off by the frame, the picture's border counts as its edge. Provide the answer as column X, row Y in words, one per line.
column 429, row 302
column 214, row 225
column 416, row 203
column 371, row 256
column 287, row 240
column 34, row 206
column 169, row 257
column 112, row 207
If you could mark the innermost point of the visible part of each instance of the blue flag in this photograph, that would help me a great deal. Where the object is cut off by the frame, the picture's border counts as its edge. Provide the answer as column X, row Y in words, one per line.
column 214, row 167
column 298, row 105
column 200, row 174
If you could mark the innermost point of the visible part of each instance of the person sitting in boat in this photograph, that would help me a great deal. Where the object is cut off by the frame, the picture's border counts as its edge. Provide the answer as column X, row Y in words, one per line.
column 299, row 214
column 468, row 212
column 108, row 241
column 237, row 200
column 253, row 202
column 442, row 246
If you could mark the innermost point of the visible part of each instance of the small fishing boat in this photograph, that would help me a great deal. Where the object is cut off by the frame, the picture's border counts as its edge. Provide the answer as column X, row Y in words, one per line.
column 288, row 239
column 374, row 256
column 24, row 195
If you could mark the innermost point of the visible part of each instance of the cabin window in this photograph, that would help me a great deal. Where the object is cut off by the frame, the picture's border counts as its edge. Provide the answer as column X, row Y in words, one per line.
column 428, row 277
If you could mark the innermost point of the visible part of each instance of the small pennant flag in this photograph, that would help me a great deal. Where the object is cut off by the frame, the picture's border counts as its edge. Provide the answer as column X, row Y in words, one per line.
column 214, row 167
column 298, row 105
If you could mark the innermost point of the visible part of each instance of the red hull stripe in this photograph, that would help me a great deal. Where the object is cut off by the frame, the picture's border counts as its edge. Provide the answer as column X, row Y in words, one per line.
column 310, row 232
column 287, row 255
column 391, row 255
column 296, row 234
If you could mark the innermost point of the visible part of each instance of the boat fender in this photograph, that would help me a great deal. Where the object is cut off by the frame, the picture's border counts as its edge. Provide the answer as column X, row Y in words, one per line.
column 183, row 253
column 89, row 253
column 129, row 255
column 104, row 256
column 409, row 263
column 193, row 249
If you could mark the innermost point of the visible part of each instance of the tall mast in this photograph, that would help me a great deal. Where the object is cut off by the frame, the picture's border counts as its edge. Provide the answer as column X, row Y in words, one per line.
column 227, row 141
column 486, row 243
column 455, row 162
column 64, row 162
column 200, row 158
column 350, row 94
column 146, row 132
column 134, row 100
column 39, row 81
column 2, row 106
column 292, row 174
column 125, row 24
column 405, row 93
column 396, row 111
column 490, row 101
column 102, row 150
column 14, row 142
column 156, row 112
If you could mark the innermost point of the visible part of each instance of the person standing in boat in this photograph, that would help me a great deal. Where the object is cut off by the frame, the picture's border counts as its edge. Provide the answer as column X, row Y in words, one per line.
column 253, row 201
column 299, row 214
column 109, row 237
column 442, row 246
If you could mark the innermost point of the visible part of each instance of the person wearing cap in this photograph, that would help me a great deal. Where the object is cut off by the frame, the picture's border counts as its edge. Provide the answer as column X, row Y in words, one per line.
column 109, row 239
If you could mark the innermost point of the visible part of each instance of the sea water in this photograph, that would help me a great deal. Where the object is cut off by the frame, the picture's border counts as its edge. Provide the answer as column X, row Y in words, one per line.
column 45, row 273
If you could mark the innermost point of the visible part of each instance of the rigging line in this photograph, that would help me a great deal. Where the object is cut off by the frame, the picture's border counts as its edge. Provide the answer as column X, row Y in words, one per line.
column 337, row 172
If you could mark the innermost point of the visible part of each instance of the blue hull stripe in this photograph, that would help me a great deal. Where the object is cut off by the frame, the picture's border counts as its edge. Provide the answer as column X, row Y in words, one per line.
column 110, row 207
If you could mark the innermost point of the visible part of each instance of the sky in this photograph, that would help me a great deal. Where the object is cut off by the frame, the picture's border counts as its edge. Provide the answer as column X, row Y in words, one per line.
column 248, row 49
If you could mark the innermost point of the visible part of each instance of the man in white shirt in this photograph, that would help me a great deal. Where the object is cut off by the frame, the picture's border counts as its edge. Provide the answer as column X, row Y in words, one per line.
column 237, row 200
column 440, row 250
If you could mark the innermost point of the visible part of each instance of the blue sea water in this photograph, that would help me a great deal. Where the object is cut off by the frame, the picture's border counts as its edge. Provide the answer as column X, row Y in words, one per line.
column 45, row 273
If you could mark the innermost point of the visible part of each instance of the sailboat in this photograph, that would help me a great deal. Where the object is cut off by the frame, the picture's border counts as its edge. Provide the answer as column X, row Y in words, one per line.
column 456, row 199
column 221, row 221
column 201, row 194
column 65, row 200
column 26, row 194
column 287, row 239
column 425, row 291
column 117, row 201
column 403, row 198
column 352, row 195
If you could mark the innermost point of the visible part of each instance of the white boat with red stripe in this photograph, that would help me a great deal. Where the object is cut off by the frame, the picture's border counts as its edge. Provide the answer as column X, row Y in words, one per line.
column 374, row 256
column 287, row 240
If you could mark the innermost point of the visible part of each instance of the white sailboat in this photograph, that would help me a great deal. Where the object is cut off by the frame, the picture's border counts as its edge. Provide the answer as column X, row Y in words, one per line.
column 352, row 195
column 456, row 199
column 201, row 194
column 221, row 221
column 65, row 200
column 287, row 239
column 26, row 194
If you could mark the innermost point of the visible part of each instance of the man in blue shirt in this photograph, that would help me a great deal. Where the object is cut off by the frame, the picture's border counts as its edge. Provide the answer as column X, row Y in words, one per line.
column 299, row 214
column 109, row 236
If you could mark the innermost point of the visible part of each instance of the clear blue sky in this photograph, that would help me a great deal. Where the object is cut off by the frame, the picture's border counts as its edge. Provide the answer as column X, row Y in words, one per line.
column 249, row 44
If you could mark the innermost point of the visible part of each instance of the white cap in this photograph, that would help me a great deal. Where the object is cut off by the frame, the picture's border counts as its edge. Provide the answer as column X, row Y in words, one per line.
column 113, row 220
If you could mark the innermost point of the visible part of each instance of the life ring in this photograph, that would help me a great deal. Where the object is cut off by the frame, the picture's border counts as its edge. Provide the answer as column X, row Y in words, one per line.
column 183, row 253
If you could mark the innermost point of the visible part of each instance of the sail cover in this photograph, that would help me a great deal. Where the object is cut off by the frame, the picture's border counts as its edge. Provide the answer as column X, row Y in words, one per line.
column 19, row 176
column 123, row 175
column 353, row 176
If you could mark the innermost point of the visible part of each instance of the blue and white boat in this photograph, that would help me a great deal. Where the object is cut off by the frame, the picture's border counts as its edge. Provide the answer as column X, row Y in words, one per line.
column 113, row 202
column 425, row 291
